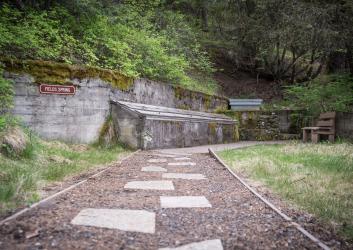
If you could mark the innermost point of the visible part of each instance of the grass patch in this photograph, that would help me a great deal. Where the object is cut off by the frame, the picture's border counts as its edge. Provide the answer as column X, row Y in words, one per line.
column 21, row 178
column 315, row 177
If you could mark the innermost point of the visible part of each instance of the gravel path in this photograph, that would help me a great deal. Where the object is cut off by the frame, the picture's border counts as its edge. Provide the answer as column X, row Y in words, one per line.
column 217, row 147
column 237, row 218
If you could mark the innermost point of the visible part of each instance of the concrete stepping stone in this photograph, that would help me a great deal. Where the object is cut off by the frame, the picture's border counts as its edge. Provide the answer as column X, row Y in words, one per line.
column 165, row 155
column 162, row 160
column 203, row 245
column 150, row 185
column 184, row 201
column 183, row 176
column 182, row 159
column 181, row 164
column 127, row 220
column 153, row 169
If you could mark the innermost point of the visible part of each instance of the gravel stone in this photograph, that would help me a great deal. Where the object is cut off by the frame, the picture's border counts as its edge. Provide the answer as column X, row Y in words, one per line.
column 155, row 185
column 253, row 226
column 183, row 176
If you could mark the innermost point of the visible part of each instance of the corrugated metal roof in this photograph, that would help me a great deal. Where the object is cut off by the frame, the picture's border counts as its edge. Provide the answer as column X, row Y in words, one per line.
column 245, row 102
column 163, row 113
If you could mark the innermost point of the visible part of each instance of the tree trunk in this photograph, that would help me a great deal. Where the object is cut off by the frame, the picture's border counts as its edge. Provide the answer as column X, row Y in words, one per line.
column 19, row 4
column 349, row 59
column 204, row 16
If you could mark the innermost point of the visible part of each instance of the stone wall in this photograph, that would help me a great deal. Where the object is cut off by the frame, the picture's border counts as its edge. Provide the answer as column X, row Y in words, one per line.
column 79, row 118
column 291, row 121
column 256, row 125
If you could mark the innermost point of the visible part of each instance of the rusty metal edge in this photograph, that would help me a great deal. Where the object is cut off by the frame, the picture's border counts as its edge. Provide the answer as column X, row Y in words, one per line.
column 15, row 215
column 268, row 203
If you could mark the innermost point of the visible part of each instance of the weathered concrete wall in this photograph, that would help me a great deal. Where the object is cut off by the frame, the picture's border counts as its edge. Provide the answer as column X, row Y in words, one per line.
column 128, row 126
column 344, row 125
column 156, row 93
column 171, row 134
column 79, row 118
column 149, row 127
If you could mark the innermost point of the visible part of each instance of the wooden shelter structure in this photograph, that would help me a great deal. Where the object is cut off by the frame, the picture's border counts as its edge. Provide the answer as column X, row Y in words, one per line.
column 150, row 127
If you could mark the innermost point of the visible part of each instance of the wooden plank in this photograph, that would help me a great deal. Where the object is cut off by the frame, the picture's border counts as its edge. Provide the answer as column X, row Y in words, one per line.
column 328, row 123
column 320, row 132
column 328, row 115
column 310, row 128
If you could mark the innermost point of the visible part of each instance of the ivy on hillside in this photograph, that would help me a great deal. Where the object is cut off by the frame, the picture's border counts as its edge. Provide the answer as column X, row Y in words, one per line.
column 137, row 39
column 6, row 101
column 326, row 93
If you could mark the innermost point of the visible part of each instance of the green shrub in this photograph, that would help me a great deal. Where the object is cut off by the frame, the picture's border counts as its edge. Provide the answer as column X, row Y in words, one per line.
column 326, row 93
column 138, row 39
column 6, row 95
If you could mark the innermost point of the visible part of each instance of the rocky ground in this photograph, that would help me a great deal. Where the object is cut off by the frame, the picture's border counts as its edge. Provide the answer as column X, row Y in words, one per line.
column 237, row 218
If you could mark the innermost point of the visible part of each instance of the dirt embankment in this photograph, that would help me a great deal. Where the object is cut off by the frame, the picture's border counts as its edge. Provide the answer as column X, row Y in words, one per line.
column 237, row 82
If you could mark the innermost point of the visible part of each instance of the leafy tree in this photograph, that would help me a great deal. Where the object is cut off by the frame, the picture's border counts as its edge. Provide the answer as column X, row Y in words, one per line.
column 326, row 93
column 138, row 38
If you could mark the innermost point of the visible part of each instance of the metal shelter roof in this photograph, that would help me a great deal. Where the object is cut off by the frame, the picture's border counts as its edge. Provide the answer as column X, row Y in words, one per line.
column 163, row 113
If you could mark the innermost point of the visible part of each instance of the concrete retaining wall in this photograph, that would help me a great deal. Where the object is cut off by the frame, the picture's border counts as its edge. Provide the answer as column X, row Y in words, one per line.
column 79, row 118
column 344, row 125
column 268, row 125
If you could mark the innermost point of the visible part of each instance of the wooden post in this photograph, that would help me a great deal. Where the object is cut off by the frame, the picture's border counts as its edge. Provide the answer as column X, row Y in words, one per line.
column 305, row 135
column 331, row 138
column 315, row 137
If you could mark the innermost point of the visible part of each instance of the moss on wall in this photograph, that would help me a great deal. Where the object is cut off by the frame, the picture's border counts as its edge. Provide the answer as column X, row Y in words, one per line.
column 107, row 134
column 62, row 73
column 208, row 102
column 212, row 128
column 254, row 125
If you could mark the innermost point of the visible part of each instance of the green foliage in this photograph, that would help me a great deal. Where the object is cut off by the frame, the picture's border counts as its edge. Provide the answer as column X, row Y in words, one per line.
column 316, row 177
column 138, row 39
column 6, row 94
column 326, row 93
column 20, row 179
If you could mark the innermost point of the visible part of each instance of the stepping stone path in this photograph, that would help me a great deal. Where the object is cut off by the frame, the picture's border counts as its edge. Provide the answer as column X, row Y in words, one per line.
column 166, row 155
column 182, row 159
column 181, row 164
column 183, row 176
column 203, row 245
column 165, row 207
column 144, row 221
column 150, row 185
column 184, row 201
column 157, row 160
column 117, row 219
column 153, row 169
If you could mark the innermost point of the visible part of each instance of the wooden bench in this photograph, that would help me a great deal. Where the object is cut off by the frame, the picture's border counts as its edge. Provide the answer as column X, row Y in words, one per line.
column 324, row 126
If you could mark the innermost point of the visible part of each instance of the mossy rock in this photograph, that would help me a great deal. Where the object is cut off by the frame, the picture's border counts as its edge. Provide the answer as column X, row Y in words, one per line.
column 13, row 142
column 62, row 73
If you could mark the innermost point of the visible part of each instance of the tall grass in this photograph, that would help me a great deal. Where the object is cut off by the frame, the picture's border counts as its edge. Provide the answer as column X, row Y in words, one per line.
column 22, row 177
column 315, row 177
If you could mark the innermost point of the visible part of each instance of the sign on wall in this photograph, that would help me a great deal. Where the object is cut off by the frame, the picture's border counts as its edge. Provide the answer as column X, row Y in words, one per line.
column 57, row 89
